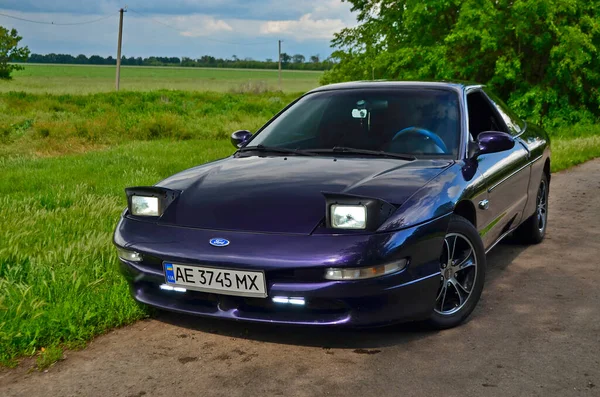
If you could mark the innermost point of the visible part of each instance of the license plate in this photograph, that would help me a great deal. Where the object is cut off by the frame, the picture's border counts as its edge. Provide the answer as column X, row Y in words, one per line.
column 222, row 281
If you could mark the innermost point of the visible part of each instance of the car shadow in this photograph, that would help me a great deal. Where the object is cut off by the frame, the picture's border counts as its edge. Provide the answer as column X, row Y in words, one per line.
column 501, row 256
column 361, row 339
column 324, row 337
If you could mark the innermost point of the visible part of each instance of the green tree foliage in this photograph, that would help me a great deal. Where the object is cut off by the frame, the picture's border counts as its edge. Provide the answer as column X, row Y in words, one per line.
column 285, row 58
column 10, row 52
column 298, row 58
column 539, row 55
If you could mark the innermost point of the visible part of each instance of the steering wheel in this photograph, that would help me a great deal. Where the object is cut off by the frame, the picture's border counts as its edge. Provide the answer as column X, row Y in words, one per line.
column 426, row 133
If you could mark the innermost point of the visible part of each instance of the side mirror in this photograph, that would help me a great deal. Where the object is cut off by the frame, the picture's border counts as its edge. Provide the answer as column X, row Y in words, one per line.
column 240, row 137
column 493, row 142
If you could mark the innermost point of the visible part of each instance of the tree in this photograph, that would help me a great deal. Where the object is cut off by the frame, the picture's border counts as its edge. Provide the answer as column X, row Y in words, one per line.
column 11, row 52
column 96, row 60
column 285, row 58
column 315, row 58
column 298, row 58
column 540, row 55
column 81, row 59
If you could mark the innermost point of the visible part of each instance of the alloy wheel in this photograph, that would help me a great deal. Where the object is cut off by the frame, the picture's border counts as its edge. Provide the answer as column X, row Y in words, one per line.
column 542, row 206
column 458, row 266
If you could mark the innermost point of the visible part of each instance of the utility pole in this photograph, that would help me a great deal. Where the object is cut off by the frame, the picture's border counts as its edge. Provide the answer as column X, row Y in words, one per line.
column 118, row 79
column 280, row 66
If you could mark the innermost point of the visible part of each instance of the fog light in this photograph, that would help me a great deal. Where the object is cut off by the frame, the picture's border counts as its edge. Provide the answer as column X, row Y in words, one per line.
column 167, row 287
column 128, row 255
column 291, row 301
column 361, row 273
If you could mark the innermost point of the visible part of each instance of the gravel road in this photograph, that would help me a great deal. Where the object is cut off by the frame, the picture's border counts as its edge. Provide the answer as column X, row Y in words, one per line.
column 536, row 332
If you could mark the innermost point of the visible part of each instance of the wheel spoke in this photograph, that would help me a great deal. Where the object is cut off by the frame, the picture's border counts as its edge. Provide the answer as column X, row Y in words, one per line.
column 453, row 249
column 461, row 292
column 458, row 284
column 444, row 297
column 448, row 252
column 465, row 262
column 442, row 291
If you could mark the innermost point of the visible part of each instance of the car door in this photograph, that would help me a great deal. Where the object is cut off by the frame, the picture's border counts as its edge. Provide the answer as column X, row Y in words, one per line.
column 506, row 173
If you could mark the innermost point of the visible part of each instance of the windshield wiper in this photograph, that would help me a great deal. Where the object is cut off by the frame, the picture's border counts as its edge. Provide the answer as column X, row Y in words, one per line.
column 274, row 149
column 379, row 153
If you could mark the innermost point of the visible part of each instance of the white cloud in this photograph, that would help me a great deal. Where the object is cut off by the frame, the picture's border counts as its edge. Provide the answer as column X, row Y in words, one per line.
column 199, row 25
column 195, row 27
column 304, row 28
column 331, row 8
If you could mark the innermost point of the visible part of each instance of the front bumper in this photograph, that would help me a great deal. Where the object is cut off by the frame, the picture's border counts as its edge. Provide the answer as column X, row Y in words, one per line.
column 294, row 266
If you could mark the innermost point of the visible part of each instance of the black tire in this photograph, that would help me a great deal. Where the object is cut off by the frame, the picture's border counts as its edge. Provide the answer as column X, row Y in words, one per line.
column 533, row 230
column 448, row 314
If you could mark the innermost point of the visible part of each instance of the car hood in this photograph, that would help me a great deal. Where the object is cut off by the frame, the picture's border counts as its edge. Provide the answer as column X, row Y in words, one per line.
column 285, row 194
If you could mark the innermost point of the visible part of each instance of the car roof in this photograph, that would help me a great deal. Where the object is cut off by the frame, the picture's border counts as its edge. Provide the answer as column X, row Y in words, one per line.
column 453, row 85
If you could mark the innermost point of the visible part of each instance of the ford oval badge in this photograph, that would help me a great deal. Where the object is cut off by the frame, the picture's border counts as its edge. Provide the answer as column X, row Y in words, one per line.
column 219, row 242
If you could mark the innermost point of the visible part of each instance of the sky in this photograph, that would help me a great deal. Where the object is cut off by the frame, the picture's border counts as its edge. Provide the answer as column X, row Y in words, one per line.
column 178, row 28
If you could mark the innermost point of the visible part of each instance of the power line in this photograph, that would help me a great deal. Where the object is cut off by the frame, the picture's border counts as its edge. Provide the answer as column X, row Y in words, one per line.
column 204, row 37
column 137, row 12
column 55, row 23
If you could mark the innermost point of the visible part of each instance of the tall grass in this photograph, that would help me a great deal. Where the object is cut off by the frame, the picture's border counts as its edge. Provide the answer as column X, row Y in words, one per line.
column 59, row 281
column 43, row 125
column 574, row 145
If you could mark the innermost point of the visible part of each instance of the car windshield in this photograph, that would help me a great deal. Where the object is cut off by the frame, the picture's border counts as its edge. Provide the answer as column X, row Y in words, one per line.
column 408, row 121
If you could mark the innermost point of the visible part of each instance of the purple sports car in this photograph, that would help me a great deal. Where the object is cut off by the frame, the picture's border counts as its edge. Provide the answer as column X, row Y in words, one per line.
column 359, row 204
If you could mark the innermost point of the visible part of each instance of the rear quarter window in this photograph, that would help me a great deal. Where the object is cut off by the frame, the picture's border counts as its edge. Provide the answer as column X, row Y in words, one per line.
column 513, row 122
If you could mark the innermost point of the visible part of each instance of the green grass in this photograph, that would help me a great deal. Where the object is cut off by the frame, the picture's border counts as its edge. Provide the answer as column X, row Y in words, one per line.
column 569, row 152
column 78, row 79
column 574, row 145
column 48, row 356
column 48, row 125
column 59, row 281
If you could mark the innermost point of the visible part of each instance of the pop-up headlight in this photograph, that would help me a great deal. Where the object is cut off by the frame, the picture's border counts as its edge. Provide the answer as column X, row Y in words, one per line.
column 348, row 216
column 346, row 211
column 144, row 206
column 149, row 201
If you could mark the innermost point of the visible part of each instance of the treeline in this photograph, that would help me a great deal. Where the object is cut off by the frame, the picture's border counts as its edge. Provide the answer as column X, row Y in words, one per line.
column 291, row 62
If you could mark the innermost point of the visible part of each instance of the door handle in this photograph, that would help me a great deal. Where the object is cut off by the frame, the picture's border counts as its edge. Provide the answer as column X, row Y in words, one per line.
column 484, row 204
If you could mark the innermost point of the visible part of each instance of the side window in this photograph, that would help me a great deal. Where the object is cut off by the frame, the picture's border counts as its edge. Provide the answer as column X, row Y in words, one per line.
column 513, row 122
column 482, row 116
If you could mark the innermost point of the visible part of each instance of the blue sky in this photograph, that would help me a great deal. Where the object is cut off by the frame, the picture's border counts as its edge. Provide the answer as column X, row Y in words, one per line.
column 222, row 28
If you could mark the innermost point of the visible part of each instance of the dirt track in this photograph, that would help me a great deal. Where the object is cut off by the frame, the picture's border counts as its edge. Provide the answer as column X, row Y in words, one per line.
column 536, row 332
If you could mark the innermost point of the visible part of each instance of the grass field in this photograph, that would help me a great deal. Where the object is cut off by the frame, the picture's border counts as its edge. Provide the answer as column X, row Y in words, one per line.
column 49, row 125
column 83, row 79
column 64, row 161
column 59, row 282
